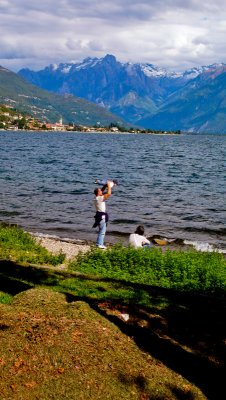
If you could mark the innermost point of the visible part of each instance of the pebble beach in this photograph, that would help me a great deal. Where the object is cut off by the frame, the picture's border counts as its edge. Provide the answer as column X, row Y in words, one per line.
column 68, row 247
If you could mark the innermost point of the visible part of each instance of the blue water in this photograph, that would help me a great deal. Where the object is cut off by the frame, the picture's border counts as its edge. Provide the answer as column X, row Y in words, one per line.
column 174, row 185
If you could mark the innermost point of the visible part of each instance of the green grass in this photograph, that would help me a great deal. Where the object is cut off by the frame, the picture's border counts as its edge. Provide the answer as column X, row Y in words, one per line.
column 118, row 274
column 19, row 246
column 76, row 344
column 187, row 271
column 101, row 290
column 5, row 298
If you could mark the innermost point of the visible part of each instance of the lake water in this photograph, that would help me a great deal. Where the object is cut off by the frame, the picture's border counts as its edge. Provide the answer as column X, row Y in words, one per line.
column 174, row 185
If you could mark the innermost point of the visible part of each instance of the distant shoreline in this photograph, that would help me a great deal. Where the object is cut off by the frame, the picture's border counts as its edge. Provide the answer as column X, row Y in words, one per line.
column 90, row 132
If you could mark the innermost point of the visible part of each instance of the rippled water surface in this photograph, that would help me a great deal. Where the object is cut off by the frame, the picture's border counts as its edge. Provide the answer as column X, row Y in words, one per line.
column 174, row 185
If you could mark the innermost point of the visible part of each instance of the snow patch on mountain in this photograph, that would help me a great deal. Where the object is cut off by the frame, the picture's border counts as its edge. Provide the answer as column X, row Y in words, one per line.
column 66, row 69
column 196, row 71
column 151, row 70
column 88, row 62
column 53, row 67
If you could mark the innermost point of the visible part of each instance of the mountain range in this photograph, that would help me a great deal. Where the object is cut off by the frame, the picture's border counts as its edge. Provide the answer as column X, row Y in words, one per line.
column 50, row 107
column 144, row 95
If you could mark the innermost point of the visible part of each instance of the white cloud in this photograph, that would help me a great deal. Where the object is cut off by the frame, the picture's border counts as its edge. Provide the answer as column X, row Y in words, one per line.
column 172, row 33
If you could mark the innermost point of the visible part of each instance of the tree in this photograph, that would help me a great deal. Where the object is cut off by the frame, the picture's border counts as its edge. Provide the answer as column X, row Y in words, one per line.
column 22, row 123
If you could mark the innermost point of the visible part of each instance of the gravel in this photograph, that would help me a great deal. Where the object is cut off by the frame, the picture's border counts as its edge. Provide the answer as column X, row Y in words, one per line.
column 68, row 247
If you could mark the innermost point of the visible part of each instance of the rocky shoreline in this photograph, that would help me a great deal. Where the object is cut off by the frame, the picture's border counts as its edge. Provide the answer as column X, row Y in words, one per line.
column 70, row 248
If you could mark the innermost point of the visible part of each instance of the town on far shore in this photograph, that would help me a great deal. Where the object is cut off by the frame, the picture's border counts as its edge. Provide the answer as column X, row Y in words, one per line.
column 14, row 120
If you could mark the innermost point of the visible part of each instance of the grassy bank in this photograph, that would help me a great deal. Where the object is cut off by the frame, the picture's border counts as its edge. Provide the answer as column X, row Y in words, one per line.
column 19, row 246
column 117, row 324
column 119, row 268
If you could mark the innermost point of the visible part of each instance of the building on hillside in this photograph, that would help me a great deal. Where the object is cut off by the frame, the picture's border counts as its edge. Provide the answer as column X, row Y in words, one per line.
column 58, row 126
column 114, row 129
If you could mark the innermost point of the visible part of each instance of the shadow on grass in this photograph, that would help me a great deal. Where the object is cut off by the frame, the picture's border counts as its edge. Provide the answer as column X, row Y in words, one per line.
column 15, row 278
column 141, row 383
column 187, row 334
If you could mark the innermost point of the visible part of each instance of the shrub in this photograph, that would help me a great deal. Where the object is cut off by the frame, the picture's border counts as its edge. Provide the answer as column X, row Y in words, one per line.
column 191, row 270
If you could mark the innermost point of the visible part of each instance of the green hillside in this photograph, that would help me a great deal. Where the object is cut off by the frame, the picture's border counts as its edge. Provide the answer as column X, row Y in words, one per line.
column 198, row 107
column 49, row 107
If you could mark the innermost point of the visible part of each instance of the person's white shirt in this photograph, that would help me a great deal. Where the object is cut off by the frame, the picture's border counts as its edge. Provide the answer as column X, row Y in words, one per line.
column 137, row 241
column 100, row 204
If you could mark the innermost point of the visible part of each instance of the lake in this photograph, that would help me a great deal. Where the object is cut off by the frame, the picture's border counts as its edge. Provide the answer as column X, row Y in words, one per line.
column 175, row 185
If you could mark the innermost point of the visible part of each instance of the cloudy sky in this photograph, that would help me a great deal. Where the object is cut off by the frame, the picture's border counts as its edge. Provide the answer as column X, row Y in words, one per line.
column 177, row 34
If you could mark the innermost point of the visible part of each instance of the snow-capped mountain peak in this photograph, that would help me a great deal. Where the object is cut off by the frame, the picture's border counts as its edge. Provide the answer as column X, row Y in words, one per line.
column 196, row 71
column 151, row 70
